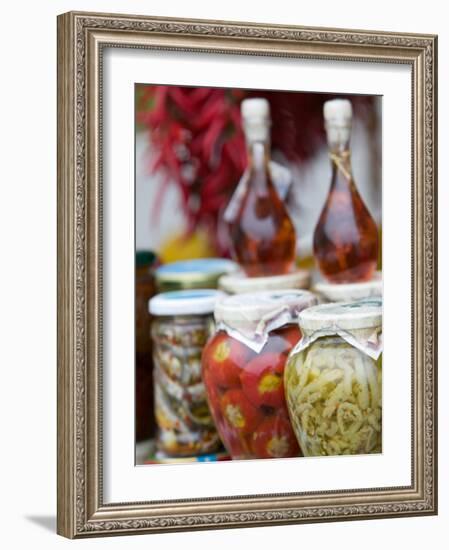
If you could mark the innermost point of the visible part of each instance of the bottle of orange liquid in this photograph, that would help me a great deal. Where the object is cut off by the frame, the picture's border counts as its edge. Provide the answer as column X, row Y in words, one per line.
column 345, row 241
column 262, row 234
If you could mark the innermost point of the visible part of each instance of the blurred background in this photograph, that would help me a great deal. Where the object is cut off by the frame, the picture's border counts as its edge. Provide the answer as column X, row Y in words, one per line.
column 190, row 154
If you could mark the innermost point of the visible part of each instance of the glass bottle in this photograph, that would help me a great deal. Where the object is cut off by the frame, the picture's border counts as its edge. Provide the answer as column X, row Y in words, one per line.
column 345, row 241
column 145, row 289
column 262, row 233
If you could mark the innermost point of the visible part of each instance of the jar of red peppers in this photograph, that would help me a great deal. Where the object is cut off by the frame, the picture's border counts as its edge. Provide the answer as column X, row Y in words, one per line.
column 243, row 369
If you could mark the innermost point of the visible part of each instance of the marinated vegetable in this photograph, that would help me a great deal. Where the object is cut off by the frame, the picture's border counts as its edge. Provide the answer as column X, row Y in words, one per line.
column 225, row 357
column 274, row 438
column 334, row 389
column 262, row 380
column 239, row 412
column 334, row 392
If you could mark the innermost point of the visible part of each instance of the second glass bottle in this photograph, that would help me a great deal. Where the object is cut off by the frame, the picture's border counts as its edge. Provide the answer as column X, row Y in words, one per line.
column 346, row 239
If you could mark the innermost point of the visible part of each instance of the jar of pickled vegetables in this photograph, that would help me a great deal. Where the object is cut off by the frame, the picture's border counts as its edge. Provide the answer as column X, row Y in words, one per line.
column 243, row 369
column 333, row 379
column 182, row 323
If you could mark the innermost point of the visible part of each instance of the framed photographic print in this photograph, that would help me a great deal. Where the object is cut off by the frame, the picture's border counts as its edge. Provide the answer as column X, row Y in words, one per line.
column 247, row 278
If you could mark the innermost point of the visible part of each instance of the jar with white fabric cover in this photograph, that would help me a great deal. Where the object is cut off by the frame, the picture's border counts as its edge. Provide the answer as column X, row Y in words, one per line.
column 333, row 379
column 243, row 371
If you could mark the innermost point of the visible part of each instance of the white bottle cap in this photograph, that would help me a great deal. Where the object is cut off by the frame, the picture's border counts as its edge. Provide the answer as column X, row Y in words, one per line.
column 256, row 119
column 338, row 118
column 256, row 108
column 338, row 111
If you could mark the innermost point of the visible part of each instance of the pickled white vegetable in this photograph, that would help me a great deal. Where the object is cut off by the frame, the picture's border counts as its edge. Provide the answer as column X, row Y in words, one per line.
column 334, row 396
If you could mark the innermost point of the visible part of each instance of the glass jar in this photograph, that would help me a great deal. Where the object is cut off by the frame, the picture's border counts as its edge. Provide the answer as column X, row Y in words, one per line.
column 333, row 379
column 145, row 289
column 183, row 322
column 189, row 274
column 243, row 368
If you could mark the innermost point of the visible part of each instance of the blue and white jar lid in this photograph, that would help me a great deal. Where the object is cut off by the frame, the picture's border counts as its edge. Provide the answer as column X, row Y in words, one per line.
column 184, row 302
column 201, row 268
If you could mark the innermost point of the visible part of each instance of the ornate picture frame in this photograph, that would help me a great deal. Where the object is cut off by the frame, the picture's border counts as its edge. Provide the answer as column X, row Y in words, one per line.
column 82, row 38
